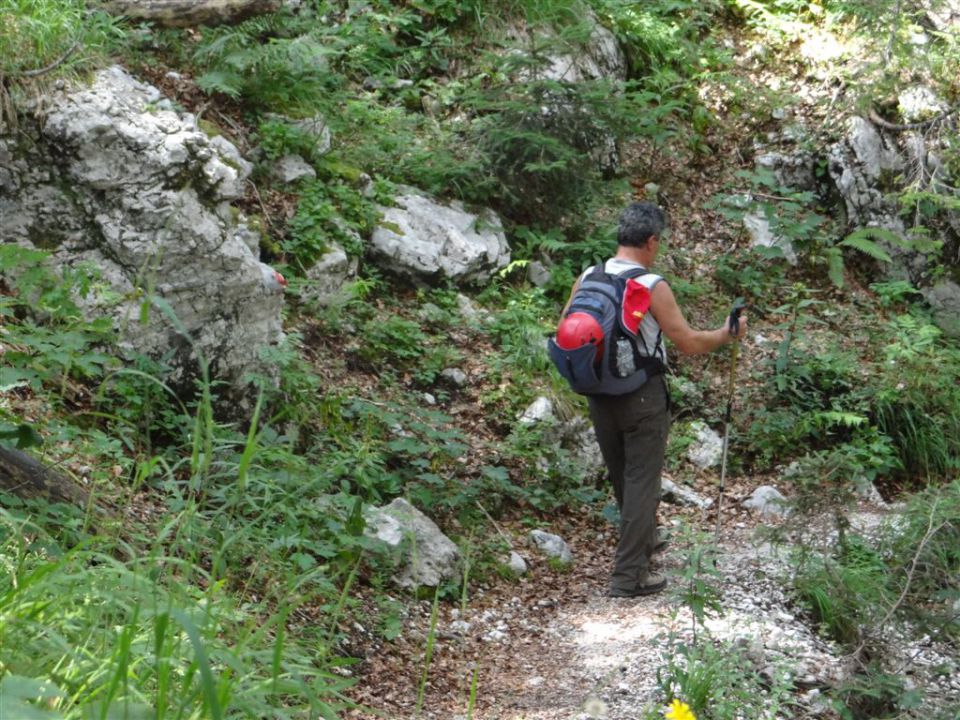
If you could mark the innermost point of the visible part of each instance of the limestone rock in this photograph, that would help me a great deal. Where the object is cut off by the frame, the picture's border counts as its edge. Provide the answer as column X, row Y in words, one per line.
column 944, row 16
column 538, row 274
column 314, row 128
column 517, row 564
column 424, row 239
column 578, row 437
column 920, row 102
column 768, row 501
column 470, row 312
column 455, row 376
column 671, row 492
column 327, row 277
column 706, row 450
column 551, row 545
column 539, row 410
column 600, row 57
column 761, row 235
column 292, row 168
column 109, row 178
column 431, row 557
column 856, row 165
column 944, row 299
column 795, row 171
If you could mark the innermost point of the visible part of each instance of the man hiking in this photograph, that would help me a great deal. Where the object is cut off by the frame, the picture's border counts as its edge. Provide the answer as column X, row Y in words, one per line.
column 631, row 428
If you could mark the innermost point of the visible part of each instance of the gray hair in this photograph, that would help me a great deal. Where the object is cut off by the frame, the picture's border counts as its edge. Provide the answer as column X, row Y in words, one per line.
column 638, row 222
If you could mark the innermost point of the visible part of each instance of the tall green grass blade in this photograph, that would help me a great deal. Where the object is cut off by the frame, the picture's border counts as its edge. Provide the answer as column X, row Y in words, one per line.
column 428, row 652
column 162, row 667
column 121, row 661
column 277, row 659
column 474, row 682
column 250, row 448
column 207, row 682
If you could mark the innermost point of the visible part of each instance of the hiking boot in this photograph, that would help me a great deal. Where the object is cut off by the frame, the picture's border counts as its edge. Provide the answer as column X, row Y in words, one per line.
column 663, row 540
column 649, row 584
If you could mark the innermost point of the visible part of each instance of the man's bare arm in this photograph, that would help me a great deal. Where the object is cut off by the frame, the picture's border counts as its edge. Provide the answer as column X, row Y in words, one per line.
column 664, row 307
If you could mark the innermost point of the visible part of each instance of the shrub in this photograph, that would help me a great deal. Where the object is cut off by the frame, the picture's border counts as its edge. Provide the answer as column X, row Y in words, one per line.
column 917, row 403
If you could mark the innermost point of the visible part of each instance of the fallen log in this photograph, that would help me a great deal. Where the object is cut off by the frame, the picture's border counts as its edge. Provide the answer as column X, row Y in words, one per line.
column 188, row 13
column 26, row 477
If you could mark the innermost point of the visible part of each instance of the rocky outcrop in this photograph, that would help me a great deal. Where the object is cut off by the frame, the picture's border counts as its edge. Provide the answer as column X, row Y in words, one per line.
column 944, row 16
column 114, row 178
column 868, row 163
column 859, row 164
column 600, row 57
column 424, row 240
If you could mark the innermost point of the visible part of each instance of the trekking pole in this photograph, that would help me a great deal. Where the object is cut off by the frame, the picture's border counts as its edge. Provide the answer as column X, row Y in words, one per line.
column 738, row 306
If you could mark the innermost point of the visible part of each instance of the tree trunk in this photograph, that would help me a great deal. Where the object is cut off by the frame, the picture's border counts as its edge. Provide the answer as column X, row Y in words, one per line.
column 188, row 13
column 22, row 475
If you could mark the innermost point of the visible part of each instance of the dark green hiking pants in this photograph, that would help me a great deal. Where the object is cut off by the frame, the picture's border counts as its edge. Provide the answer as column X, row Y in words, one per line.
column 632, row 433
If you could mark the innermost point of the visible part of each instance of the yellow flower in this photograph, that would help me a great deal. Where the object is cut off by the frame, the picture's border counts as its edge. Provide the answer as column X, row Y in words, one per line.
column 679, row 711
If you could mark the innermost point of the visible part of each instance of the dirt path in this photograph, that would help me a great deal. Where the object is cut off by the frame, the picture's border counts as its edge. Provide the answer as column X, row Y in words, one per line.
column 553, row 646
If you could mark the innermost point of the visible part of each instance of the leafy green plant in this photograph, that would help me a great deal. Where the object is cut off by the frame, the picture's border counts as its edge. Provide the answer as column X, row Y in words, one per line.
column 905, row 575
column 844, row 591
column 696, row 587
column 328, row 212
column 916, row 404
column 269, row 60
column 718, row 681
column 64, row 345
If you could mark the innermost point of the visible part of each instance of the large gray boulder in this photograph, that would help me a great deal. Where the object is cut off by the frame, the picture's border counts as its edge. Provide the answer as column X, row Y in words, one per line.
column 430, row 557
column 110, row 175
column 424, row 239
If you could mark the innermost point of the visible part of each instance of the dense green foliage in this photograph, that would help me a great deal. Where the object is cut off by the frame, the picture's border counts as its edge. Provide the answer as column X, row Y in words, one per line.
column 223, row 592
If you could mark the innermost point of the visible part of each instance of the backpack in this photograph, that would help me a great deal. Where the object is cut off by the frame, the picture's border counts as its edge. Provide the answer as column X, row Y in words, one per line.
column 598, row 347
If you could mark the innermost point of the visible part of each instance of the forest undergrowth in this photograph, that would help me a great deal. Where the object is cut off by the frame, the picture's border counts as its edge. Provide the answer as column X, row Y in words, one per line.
column 221, row 568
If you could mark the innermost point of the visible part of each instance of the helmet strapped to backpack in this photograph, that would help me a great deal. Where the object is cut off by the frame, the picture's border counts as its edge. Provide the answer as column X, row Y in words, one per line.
column 599, row 348
column 578, row 329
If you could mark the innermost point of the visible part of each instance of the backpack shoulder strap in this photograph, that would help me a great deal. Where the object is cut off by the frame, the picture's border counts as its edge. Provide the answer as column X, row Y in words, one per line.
column 649, row 279
column 634, row 272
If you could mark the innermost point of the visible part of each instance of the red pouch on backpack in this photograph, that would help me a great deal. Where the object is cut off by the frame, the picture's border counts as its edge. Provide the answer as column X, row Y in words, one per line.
column 636, row 302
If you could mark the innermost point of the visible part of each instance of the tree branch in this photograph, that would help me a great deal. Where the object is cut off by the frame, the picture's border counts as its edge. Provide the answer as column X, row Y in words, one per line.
column 52, row 66
column 887, row 125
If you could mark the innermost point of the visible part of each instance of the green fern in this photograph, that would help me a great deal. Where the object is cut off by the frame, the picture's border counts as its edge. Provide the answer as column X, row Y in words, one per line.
column 861, row 240
column 269, row 60
column 835, row 266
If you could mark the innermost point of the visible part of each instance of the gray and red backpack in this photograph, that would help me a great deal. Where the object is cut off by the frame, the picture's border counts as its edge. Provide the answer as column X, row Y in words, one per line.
column 599, row 348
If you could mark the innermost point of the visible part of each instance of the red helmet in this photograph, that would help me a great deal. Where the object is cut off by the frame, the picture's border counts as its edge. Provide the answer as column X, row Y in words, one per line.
column 579, row 329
